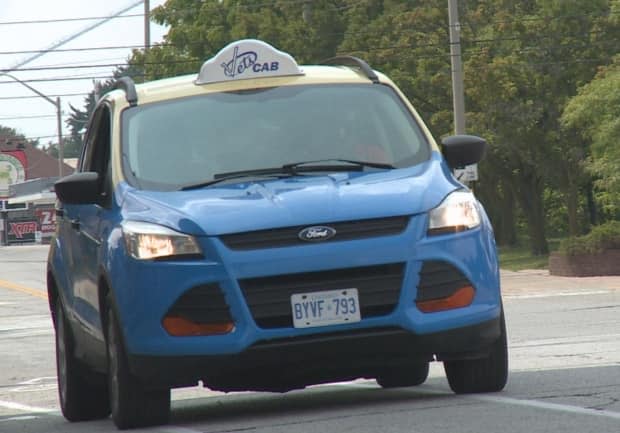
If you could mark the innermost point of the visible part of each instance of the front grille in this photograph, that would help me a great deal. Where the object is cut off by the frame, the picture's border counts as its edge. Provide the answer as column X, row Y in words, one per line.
column 269, row 298
column 288, row 236
column 439, row 280
column 202, row 304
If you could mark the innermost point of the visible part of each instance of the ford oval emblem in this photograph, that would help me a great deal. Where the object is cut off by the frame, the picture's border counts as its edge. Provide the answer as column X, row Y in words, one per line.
column 317, row 233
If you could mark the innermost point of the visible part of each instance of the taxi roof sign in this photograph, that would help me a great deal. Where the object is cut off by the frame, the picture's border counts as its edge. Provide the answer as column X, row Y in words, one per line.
column 245, row 59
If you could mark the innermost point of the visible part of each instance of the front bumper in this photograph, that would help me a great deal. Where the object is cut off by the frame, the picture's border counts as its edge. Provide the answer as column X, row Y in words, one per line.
column 145, row 291
column 296, row 362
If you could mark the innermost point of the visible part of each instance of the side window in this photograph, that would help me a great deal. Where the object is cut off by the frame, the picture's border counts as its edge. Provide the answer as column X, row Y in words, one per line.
column 96, row 152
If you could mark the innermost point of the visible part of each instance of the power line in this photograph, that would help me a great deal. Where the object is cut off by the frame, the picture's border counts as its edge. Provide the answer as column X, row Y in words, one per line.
column 116, row 60
column 6, row 98
column 72, row 78
column 71, row 50
column 36, row 138
column 75, row 35
column 63, row 20
column 555, row 17
column 103, row 65
column 35, row 116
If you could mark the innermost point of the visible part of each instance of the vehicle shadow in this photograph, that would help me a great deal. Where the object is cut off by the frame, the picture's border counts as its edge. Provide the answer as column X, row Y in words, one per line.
column 356, row 397
column 339, row 407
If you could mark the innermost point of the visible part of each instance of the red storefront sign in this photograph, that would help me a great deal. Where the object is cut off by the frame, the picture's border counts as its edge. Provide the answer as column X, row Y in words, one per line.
column 47, row 220
column 22, row 231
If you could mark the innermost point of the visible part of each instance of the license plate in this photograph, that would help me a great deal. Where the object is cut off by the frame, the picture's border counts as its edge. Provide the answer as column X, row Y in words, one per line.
column 325, row 308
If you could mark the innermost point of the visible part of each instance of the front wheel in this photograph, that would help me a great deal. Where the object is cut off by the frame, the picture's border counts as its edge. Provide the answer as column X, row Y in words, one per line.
column 83, row 395
column 133, row 405
column 488, row 374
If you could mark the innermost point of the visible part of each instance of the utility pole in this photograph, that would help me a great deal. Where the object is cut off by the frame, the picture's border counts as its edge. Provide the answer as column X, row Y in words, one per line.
column 55, row 103
column 61, row 144
column 470, row 172
column 458, row 97
column 147, row 25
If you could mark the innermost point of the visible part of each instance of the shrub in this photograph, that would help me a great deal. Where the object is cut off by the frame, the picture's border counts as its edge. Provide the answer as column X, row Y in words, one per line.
column 601, row 238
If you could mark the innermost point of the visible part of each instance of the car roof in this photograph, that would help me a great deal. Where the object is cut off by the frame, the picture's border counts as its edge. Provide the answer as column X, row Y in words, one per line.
column 211, row 79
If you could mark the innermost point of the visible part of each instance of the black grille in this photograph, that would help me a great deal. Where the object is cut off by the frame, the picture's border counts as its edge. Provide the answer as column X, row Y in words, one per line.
column 202, row 304
column 288, row 236
column 439, row 280
column 269, row 298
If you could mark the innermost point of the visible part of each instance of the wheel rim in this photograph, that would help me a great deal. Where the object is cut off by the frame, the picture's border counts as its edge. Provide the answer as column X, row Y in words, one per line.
column 61, row 359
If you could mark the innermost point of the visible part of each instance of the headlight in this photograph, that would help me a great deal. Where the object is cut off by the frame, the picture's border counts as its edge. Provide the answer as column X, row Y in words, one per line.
column 146, row 241
column 458, row 212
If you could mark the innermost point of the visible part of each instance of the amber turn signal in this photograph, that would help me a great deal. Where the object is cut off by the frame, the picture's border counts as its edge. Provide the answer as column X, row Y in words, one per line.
column 459, row 299
column 181, row 327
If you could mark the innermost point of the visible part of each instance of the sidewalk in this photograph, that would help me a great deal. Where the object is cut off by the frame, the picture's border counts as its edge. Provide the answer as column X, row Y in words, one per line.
column 538, row 282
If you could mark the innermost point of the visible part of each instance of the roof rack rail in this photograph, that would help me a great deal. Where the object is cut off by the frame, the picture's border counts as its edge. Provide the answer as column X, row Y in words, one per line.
column 353, row 61
column 127, row 84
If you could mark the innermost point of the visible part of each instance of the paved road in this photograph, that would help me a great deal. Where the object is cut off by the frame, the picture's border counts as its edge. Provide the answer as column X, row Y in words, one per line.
column 564, row 337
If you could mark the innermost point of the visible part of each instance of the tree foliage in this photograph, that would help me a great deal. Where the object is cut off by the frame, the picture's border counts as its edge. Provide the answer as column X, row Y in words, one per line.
column 595, row 114
column 78, row 119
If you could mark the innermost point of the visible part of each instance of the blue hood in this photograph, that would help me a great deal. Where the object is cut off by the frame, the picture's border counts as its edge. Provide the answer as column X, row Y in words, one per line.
column 301, row 200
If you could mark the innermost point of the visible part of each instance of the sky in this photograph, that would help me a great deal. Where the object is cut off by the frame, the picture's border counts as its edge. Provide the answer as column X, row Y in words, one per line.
column 35, row 117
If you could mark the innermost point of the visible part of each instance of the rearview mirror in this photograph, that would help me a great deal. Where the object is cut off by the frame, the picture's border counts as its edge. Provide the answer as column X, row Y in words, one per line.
column 78, row 188
column 462, row 150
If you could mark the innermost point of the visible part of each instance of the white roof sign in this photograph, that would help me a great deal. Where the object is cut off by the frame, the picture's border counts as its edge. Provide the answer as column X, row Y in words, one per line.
column 245, row 59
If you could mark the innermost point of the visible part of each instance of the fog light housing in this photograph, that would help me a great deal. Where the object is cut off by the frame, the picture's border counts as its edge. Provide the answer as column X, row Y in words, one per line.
column 463, row 297
column 182, row 327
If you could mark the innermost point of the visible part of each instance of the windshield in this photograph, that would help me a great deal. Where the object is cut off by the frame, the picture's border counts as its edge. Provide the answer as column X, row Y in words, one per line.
column 186, row 141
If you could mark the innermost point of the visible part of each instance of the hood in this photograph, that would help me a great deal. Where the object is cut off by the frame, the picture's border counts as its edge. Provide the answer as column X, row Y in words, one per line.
column 300, row 200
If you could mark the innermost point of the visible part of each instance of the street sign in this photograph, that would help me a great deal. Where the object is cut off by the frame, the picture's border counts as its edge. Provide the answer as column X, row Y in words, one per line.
column 467, row 174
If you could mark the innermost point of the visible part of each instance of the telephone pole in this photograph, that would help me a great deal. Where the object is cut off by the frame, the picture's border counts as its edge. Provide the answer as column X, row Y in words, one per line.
column 55, row 103
column 470, row 172
column 458, row 97
column 147, row 25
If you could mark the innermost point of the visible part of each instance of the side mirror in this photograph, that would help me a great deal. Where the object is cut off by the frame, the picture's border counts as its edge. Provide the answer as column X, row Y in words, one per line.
column 462, row 150
column 79, row 188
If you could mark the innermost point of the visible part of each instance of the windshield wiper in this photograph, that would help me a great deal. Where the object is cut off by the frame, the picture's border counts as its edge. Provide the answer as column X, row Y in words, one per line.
column 320, row 165
column 292, row 169
column 222, row 177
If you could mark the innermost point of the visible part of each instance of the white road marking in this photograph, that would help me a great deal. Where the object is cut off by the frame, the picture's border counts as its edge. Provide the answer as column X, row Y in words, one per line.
column 556, row 294
column 175, row 429
column 548, row 406
column 24, row 407
column 506, row 400
column 19, row 418
column 47, row 383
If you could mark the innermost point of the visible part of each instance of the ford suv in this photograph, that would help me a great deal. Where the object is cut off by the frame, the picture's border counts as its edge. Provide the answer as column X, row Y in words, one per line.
column 267, row 226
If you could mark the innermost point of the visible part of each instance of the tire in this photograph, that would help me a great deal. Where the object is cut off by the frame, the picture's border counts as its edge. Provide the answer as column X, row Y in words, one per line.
column 488, row 374
column 412, row 375
column 81, row 397
column 132, row 404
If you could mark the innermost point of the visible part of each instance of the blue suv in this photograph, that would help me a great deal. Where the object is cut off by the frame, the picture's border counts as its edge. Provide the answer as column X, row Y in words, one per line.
column 266, row 226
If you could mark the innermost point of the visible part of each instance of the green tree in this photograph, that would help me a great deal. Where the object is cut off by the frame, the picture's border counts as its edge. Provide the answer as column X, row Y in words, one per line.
column 198, row 30
column 10, row 138
column 518, row 83
column 595, row 114
column 408, row 41
column 78, row 119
